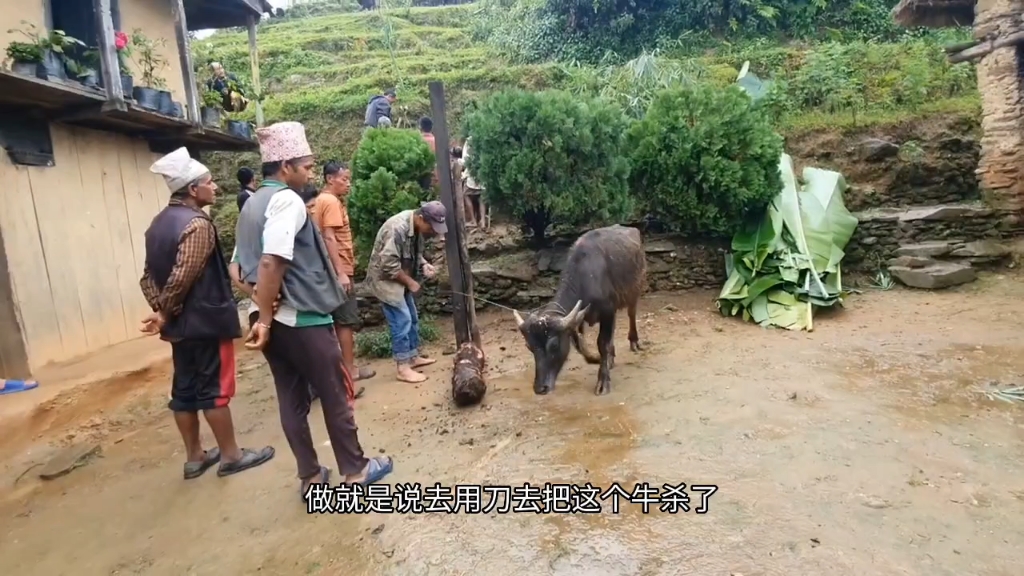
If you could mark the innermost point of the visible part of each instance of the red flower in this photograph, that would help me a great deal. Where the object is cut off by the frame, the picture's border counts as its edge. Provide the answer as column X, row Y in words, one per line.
column 120, row 40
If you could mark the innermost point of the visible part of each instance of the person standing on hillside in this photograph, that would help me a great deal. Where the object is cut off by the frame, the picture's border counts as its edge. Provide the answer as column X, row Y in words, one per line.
column 186, row 284
column 427, row 132
column 476, row 215
column 396, row 258
column 280, row 251
column 379, row 107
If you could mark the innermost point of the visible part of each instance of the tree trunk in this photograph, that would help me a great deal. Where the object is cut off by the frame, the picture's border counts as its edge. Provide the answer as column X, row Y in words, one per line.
column 468, row 384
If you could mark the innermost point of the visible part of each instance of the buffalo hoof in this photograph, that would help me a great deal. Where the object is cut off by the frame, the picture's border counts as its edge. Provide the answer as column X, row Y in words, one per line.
column 634, row 346
column 603, row 387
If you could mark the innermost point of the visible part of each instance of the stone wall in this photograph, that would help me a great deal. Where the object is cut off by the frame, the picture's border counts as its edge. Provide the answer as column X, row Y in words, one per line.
column 881, row 232
column 999, row 83
column 914, row 164
column 506, row 272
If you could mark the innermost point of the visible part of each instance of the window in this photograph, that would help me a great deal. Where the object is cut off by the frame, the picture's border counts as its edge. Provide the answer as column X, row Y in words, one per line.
column 77, row 19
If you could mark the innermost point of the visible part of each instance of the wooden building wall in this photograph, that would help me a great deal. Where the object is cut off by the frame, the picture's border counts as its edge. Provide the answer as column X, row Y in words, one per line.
column 73, row 238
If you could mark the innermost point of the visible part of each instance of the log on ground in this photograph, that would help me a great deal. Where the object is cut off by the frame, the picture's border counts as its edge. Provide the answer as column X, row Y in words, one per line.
column 468, row 384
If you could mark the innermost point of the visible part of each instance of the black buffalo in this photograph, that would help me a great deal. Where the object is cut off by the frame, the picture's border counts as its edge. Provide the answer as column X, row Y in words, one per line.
column 605, row 272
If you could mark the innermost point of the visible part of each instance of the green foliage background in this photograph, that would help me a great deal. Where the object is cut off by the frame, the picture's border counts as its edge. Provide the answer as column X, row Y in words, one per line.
column 705, row 160
column 389, row 171
column 836, row 63
column 550, row 157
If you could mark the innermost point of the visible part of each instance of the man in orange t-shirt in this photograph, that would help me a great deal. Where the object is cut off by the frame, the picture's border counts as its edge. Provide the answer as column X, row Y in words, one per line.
column 330, row 214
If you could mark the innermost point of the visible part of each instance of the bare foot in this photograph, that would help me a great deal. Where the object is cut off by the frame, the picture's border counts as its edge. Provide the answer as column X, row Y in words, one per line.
column 420, row 362
column 407, row 374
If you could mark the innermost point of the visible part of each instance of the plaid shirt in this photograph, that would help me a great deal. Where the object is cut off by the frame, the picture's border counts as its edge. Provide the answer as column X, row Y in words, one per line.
column 197, row 242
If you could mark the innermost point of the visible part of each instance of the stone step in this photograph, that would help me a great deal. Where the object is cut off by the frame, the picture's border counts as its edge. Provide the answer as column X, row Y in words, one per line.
column 977, row 251
column 932, row 274
column 937, row 212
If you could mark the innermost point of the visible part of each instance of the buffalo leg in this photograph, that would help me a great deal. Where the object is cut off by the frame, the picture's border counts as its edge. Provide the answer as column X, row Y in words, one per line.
column 634, row 337
column 578, row 341
column 607, row 350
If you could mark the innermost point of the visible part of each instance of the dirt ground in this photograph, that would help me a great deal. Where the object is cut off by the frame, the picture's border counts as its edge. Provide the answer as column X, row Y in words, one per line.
column 861, row 448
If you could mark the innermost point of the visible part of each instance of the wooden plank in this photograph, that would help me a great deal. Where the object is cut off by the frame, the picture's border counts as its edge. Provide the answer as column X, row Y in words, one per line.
column 110, row 68
column 254, row 64
column 52, row 188
column 133, row 305
column 987, row 47
column 153, row 187
column 453, row 256
column 26, row 264
column 13, row 352
column 188, row 73
column 96, row 269
column 138, row 203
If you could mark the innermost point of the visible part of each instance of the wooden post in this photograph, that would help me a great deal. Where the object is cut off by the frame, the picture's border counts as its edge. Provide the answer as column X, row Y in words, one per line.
column 468, row 384
column 254, row 63
column 110, row 67
column 188, row 73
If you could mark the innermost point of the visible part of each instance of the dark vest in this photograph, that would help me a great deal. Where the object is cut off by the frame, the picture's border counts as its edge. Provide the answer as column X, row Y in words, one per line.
column 209, row 310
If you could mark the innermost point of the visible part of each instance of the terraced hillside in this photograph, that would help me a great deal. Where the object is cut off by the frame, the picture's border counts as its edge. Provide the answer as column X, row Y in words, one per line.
column 322, row 70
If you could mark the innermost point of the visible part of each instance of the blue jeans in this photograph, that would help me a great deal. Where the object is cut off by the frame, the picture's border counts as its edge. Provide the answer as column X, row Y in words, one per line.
column 404, row 323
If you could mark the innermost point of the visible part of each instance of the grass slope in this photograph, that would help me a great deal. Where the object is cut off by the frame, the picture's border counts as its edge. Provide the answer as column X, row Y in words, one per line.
column 322, row 70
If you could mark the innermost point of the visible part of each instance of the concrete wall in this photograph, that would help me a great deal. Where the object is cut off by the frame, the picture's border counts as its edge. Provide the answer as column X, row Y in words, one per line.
column 73, row 238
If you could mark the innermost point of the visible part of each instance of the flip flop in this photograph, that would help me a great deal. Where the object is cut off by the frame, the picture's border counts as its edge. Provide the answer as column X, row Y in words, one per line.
column 364, row 374
column 14, row 386
column 250, row 459
column 196, row 469
column 377, row 469
column 359, row 393
column 325, row 477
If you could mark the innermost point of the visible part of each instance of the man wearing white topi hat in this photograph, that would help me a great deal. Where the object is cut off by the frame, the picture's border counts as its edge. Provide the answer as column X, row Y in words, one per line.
column 279, row 249
column 187, row 285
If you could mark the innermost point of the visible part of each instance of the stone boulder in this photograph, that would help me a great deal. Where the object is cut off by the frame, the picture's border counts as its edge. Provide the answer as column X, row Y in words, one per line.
column 934, row 275
column 876, row 149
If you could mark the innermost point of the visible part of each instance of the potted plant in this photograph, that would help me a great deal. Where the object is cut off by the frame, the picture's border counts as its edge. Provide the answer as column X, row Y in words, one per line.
column 47, row 52
column 55, row 55
column 240, row 129
column 152, row 94
column 85, row 71
column 25, row 57
column 212, row 108
column 124, row 52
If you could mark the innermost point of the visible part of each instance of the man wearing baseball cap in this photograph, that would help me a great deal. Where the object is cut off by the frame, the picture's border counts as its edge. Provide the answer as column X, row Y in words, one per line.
column 395, row 263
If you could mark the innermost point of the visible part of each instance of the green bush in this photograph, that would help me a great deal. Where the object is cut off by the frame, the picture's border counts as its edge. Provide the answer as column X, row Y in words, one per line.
column 377, row 343
column 550, row 157
column 704, row 159
column 391, row 172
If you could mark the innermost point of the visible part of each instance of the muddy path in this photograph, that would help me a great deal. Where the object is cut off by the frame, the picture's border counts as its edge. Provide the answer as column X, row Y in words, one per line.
column 861, row 448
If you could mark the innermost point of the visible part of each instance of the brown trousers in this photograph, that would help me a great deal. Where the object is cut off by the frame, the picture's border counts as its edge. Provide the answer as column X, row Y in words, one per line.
column 301, row 358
